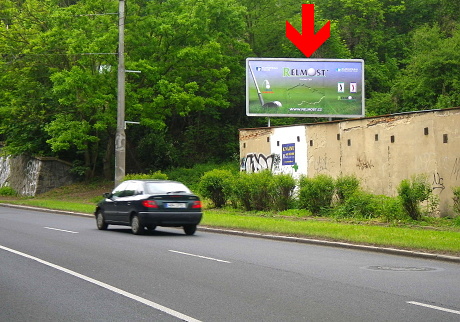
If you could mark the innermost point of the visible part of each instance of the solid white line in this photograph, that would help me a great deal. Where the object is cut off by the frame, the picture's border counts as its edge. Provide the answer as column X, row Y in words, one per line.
column 434, row 307
column 66, row 231
column 106, row 286
column 210, row 258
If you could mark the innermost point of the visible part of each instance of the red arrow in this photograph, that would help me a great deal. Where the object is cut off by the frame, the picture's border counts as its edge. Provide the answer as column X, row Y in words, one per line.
column 308, row 42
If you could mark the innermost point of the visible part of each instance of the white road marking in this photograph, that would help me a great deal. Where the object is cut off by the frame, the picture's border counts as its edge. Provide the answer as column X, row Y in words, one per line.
column 106, row 286
column 434, row 307
column 66, row 231
column 210, row 258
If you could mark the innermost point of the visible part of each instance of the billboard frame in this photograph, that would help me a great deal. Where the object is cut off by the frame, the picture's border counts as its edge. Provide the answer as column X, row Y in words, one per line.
column 269, row 105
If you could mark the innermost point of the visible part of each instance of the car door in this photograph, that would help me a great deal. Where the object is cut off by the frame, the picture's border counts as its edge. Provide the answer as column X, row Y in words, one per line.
column 111, row 204
column 125, row 201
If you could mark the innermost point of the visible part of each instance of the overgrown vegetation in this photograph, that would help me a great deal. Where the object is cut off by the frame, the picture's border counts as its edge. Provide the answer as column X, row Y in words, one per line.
column 412, row 193
column 56, row 100
column 456, row 198
column 7, row 191
column 340, row 198
column 216, row 185
column 316, row 193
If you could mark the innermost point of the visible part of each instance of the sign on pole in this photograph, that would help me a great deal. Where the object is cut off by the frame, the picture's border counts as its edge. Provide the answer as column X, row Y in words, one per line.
column 287, row 87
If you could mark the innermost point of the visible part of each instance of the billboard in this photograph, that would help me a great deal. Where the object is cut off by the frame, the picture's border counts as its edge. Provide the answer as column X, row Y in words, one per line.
column 288, row 87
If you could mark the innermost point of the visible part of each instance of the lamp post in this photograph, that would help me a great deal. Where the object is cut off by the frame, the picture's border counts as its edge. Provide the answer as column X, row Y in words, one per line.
column 120, row 137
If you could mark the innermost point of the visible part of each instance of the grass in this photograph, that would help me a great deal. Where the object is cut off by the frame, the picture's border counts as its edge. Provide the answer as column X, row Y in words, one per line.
column 433, row 235
column 420, row 239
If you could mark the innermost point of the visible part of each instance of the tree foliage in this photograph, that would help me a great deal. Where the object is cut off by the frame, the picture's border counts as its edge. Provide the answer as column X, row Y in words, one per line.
column 58, row 62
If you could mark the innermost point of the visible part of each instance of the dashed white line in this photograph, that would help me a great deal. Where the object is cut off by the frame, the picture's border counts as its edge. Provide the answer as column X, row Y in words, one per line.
column 434, row 307
column 106, row 286
column 199, row 256
column 63, row 230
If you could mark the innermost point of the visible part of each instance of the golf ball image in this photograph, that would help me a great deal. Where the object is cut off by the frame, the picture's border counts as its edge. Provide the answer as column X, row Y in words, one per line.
column 311, row 72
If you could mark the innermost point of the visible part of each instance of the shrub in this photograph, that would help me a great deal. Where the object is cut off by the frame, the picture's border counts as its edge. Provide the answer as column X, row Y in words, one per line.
column 241, row 192
column 358, row 205
column 263, row 190
column 431, row 205
column 7, row 191
column 412, row 192
column 363, row 205
column 260, row 190
column 191, row 176
column 216, row 186
column 282, row 189
column 152, row 175
column 345, row 187
column 315, row 194
column 456, row 198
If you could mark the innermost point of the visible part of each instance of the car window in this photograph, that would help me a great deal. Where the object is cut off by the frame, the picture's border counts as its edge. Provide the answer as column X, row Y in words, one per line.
column 165, row 187
column 118, row 191
column 131, row 189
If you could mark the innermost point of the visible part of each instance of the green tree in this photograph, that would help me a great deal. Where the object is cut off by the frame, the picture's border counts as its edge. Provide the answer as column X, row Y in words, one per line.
column 59, row 80
column 432, row 76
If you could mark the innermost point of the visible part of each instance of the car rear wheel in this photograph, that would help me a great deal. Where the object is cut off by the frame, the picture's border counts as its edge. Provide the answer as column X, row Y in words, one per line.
column 136, row 226
column 189, row 229
column 100, row 221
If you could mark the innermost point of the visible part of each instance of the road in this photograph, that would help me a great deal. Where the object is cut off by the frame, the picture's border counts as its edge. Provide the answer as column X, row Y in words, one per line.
column 57, row 267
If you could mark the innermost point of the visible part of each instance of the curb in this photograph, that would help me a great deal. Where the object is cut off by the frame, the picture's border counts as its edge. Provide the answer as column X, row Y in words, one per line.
column 386, row 250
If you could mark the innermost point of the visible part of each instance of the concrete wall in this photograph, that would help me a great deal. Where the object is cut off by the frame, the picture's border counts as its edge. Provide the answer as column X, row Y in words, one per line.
column 32, row 176
column 381, row 151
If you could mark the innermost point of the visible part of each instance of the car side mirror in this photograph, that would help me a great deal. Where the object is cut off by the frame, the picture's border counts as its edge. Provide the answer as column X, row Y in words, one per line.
column 107, row 195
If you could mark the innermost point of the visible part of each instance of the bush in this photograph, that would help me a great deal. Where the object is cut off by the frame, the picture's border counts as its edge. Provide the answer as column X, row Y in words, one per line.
column 7, row 191
column 363, row 205
column 241, row 192
column 152, row 175
column 260, row 194
column 263, row 190
column 345, row 187
column 191, row 176
column 456, row 198
column 282, row 189
column 412, row 193
column 315, row 194
column 216, row 186
column 358, row 205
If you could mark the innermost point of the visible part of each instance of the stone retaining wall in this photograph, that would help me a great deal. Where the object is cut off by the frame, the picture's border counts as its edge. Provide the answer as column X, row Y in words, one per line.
column 30, row 176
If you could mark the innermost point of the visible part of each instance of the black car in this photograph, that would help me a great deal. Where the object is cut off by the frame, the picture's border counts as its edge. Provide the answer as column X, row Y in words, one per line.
column 146, row 204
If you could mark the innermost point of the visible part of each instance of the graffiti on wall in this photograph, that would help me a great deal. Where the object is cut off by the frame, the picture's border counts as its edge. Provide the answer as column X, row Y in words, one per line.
column 257, row 162
column 4, row 171
column 438, row 182
column 321, row 164
column 31, row 177
column 456, row 169
column 363, row 163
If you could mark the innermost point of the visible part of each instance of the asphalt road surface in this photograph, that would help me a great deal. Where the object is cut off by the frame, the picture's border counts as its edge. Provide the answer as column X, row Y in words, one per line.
column 61, row 268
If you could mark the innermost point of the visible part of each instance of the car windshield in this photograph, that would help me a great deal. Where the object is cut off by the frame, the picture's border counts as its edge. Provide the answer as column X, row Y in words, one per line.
column 165, row 187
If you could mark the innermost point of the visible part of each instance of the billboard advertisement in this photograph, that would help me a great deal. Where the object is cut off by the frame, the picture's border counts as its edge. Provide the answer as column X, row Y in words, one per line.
column 285, row 87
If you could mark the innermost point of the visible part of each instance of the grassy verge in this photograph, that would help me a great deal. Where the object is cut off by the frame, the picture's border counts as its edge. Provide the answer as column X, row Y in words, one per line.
column 421, row 239
column 54, row 204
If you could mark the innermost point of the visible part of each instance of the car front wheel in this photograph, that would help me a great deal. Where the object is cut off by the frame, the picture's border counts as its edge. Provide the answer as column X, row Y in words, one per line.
column 100, row 221
column 189, row 229
column 136, row 226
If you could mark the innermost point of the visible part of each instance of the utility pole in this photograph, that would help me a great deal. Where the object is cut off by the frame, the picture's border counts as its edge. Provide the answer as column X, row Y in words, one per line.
column 120, row 137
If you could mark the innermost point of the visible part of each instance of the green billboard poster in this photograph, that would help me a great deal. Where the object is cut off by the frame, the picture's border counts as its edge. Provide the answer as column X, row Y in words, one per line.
column 288, row 87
